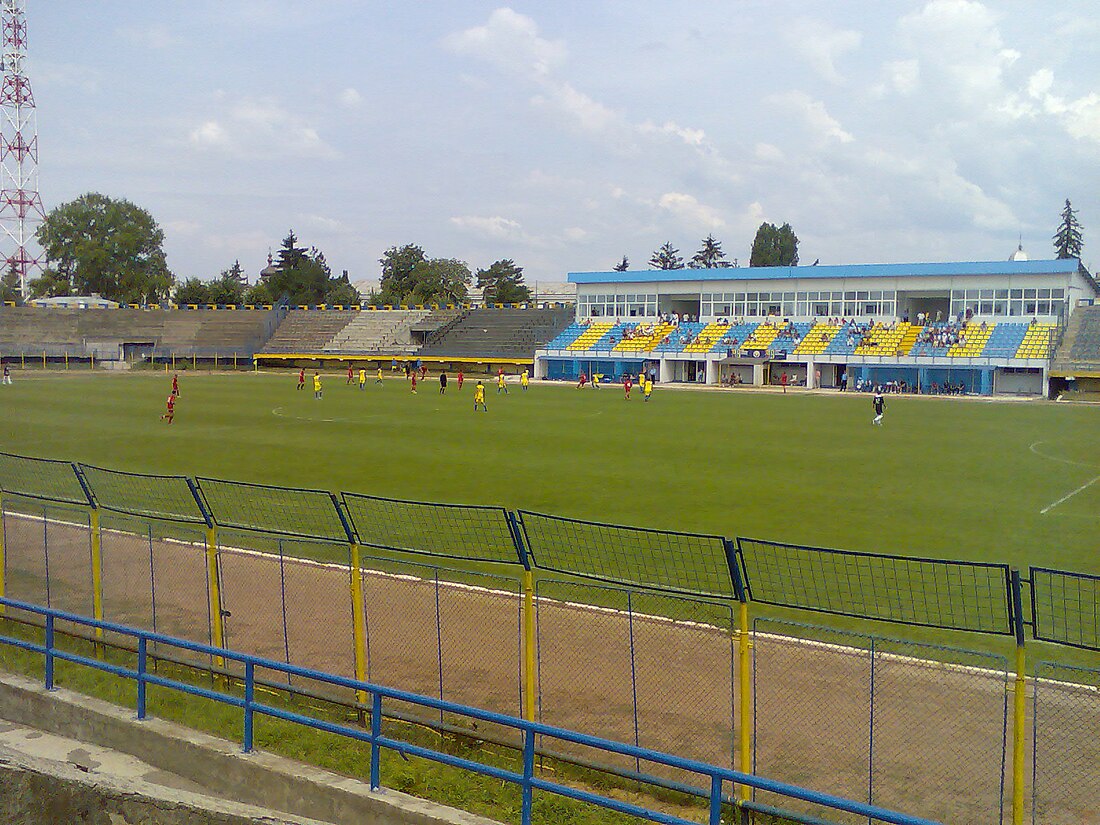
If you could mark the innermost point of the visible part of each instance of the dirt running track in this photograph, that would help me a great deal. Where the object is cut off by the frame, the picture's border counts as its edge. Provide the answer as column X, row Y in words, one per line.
column 938, row 729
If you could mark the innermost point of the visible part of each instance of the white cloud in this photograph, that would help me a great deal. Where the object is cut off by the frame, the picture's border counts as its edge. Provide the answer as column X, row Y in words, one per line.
column 182, row 227
column 259, row 128
column 323, row 223
column 575, row 233
column 688, row 209
column 900, row 76
column 350, row 98
column 496, row 227
column 157, row 36
column 511, row 42
column 1080, row 117
column 580, row 111
column 692, row 137
column 209, row 135
column 822, row 45
column 768, row 153
column 813, row 112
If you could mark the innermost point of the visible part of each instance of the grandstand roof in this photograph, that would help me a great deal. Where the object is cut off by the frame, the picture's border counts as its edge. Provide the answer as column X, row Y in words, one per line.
column 770, row 273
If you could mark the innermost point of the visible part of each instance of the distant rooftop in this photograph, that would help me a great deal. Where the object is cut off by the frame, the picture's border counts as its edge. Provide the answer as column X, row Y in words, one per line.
column 769, row 273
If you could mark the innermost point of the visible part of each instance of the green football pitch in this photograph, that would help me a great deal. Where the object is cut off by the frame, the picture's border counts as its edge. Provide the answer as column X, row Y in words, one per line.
column 946, row 478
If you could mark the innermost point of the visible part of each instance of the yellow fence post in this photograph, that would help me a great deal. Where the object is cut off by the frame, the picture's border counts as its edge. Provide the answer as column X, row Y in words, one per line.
column 529, row 685
column 1019, row 691
column 744, row 666
column 2, row 558
column 214, row 591
column 358, row 625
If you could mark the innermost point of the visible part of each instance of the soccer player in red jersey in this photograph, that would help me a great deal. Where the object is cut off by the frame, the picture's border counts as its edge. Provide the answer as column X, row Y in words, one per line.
column 301, row 377
column 627, row 386
column 414, row 383
column 460, row 378
column 176, row 384
column 349, row 375
column 171, row 408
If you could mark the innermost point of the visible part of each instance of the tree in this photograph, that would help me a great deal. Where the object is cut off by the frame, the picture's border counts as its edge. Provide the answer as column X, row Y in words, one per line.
column 623, row 265
column 709, row 256
column 667, row 257
column 192, row 291
column 341, row 292
column 774, row 246
column 50, row 284
column 301, row 276
column 397, row 281
column 439, row 281
column 1068, row 240
column 106, row 246
column 228, row 288
column 9, row 285
column 502, row 283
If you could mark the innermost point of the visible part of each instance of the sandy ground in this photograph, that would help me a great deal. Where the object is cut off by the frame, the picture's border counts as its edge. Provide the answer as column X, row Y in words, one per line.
column 939, row 731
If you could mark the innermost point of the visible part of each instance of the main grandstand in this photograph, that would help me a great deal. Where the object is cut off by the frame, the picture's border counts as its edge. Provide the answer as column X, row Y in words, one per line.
column 975, row 327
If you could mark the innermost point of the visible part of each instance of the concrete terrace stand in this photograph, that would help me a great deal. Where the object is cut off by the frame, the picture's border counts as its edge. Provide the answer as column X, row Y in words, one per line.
column 65, row 757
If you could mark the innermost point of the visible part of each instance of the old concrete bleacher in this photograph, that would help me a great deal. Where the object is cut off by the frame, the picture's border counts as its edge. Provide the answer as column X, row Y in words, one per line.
column 500, row 333
column 1082, row 342
column 106, row 332
column 378, row 332
column 308, row 331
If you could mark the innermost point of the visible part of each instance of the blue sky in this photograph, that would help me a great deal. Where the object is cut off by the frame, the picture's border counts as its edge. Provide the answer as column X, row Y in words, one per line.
column 565, row 135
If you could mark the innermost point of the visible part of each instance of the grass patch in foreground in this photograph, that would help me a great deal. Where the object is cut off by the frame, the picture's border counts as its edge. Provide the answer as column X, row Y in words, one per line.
column 418, row 777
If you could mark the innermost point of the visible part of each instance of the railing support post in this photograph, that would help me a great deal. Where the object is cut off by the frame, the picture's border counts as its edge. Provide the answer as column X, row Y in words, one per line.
column 49, row 652
column 528, row 775
column 97, row 575
column 375, row 734
column 249, row 698
column 142, row 666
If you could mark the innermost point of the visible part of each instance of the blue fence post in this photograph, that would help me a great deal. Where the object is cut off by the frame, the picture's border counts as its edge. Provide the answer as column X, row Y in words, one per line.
column 528, row 775
column 143, row 644
column 715, row 800
column 49, row 652
column 375, row 734
column 249, row 697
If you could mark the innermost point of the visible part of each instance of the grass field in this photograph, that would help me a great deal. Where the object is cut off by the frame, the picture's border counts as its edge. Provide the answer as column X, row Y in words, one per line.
column 945, row 478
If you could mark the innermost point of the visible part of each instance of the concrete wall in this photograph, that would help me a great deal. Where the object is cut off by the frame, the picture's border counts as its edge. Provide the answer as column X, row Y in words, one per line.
column 218, row 766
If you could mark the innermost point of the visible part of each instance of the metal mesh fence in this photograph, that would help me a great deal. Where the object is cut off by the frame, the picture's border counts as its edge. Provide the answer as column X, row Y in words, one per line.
column 930, row 592
column 446, row 530
column 159, row 497
column 289, row 600
column 155, row 577
column 664, row 560
column 47, row 554
column 630, row 671
column 865, row 717
column 40, row 478
column 1066, row 607
column 280, row 510
column 1066, row 759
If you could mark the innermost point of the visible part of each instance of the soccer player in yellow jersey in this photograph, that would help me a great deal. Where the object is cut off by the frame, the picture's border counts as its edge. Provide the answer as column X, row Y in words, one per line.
column 500, row 383
column 317, row 385
column 647, row 389
column 362, row 379
column 378, row 378
column 524, row 380
column 479, row 397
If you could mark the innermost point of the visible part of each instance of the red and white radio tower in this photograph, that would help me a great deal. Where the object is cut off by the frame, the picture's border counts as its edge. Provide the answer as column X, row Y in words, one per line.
column 20, row 203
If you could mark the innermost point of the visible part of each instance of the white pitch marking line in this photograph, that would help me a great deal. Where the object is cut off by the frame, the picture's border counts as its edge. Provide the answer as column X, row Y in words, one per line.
column 1067, row 496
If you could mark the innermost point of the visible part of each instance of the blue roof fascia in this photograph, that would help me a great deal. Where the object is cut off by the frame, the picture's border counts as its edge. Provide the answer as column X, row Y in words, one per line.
column 771, row 273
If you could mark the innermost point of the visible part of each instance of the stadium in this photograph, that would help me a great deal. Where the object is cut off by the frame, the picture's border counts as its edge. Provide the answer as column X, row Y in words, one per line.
column 599, row 572
column 774, row 544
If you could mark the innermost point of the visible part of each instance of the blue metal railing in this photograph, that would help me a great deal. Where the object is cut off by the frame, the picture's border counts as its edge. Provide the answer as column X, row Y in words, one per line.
column 527, row 781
